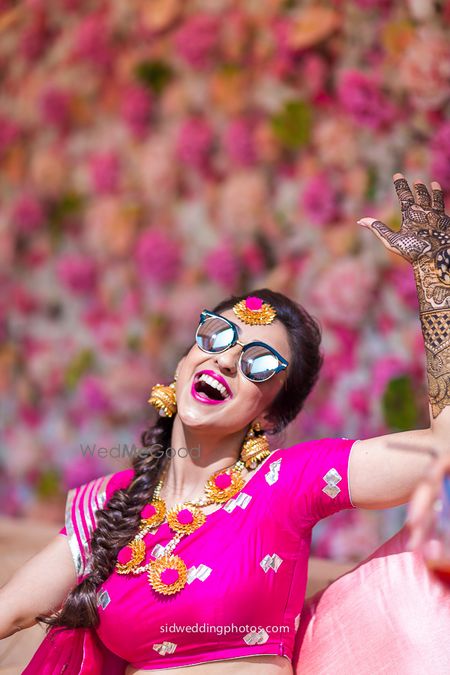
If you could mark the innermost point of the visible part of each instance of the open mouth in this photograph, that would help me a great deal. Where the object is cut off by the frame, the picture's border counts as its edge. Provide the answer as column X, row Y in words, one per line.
column 207, row 386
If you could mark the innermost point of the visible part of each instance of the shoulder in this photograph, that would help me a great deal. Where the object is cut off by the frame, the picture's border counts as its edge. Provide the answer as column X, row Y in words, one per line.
column 312, row 452
column 96, row 492
column 82, row 504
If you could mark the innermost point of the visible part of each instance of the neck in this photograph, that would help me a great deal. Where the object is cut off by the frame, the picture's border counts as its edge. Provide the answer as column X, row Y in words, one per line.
column 195, row 455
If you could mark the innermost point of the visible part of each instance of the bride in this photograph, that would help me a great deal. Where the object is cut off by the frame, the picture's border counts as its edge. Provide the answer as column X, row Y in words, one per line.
column 194, row 561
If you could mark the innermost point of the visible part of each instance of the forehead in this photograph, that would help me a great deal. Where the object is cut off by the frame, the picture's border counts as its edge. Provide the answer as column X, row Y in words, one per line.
column 274, row 334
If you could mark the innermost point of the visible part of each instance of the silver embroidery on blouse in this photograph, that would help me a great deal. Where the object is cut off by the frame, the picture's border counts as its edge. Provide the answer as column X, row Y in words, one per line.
column 271, row 561
column 103, row 599
column 274, row 470
column 241, row 500
column 158, row 550
column 165, row 648
column 331, row 478
column 256, row 637
column 201, row 572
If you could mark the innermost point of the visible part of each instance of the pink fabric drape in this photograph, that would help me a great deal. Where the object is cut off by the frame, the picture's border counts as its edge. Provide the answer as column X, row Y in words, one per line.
column 74, row 651
column 387, row 615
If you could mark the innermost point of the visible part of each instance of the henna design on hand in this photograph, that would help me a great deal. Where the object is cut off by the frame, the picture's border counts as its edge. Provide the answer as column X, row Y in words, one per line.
column 424, row 240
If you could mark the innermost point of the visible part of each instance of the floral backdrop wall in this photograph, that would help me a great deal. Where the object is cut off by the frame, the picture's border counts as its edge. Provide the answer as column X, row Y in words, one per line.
column 157, row 156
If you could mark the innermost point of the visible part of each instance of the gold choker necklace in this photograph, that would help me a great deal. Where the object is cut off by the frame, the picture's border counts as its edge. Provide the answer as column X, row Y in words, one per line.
column 168, row 573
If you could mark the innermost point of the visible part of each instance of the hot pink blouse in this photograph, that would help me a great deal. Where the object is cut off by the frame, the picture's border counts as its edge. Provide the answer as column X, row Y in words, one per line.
column 247, row 567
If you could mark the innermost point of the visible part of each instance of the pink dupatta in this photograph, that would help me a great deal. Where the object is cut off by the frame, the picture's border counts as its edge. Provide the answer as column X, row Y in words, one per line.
column 75, row 651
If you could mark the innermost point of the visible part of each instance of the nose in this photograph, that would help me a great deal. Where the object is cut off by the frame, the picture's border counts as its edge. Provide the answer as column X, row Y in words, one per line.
column 228, row 360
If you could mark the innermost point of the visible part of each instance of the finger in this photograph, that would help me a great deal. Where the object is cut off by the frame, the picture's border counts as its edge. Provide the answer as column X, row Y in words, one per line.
column 421, row 502
column 438, row 197
column 418, row 531
column 382, row 231
column 403, row 190
column 423, row 197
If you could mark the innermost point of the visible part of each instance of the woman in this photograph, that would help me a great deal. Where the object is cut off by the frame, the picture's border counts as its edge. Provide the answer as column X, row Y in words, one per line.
column 218, row 535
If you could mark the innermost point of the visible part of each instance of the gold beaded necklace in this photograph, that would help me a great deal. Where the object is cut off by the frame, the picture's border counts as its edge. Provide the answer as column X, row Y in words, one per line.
column 168, row 573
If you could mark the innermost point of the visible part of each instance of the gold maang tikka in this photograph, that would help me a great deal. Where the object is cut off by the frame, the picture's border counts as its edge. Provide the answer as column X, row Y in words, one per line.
column 254, row 311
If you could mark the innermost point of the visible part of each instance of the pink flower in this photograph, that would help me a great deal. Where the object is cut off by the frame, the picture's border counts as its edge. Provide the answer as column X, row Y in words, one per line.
column 222, row 266
column 361, row 96
column 9, row 133
column 77, row 273
column 158, row 257
column 359, row 400
column 314, row 73
column 105, row 172
column 196, row 41
column 55, row 108
column 253, row 259
column 440, row 155
column 135, row 110
column 345, row 290
column 320, row 200
column 28, row 214
column 401, row 279
column 374, row 4
column 425, row 69
column 195, row 142
column 91, row 41
column 36, row 37
column 92, row 392
column 239, row 142
column 384, row 370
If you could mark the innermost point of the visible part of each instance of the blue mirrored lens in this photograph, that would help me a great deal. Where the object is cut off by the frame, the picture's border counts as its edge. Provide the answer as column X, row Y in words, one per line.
column 214, row 335
column 258, row 363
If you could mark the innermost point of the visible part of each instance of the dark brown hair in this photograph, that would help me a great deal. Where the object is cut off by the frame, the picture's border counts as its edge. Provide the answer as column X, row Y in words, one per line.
column 118, row 522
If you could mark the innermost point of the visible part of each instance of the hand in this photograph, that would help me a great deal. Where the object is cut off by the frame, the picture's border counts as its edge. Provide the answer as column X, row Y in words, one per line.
column 420, row 508
column 425, row 229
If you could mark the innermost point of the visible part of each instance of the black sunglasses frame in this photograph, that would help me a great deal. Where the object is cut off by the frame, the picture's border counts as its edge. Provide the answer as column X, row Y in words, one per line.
column 207, row 314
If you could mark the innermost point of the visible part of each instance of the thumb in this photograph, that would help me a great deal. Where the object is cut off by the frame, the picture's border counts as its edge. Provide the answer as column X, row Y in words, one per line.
column 382, row 231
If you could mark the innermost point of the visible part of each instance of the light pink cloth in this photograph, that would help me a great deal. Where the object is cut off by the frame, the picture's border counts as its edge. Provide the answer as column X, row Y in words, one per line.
column 388, row 615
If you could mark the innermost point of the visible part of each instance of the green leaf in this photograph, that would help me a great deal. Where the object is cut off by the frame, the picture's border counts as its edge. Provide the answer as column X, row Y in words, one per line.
column 292, row 125
column 48, row 483
column 399, row 404
column 79, row 365
column 155, row 75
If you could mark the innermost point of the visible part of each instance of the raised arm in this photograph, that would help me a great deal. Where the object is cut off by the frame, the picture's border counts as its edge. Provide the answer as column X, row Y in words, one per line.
column 379, row 475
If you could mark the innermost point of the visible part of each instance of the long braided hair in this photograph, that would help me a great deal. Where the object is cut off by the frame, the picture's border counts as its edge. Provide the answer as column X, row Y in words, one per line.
column 118, row 522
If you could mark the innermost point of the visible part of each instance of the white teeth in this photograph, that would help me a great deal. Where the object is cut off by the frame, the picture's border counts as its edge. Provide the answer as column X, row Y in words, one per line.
column 217, row 385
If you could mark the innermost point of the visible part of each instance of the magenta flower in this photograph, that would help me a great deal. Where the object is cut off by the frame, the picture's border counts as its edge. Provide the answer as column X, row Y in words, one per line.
column 253, row 259
column 374, row 4
column 239, row 142
column 28, row 214
column 36, row 37
column 9, row 133
column 136, row 109
column 361, row 97
column 77, row 273
column 158, row 257
column 196, row 41
column 55, row 108
column 195, row 142
column 91, row 41
column 93, row 394
column 440, row 156
column 105, row 172
column 384, row 370
column 320, row 200
column 222, row 266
